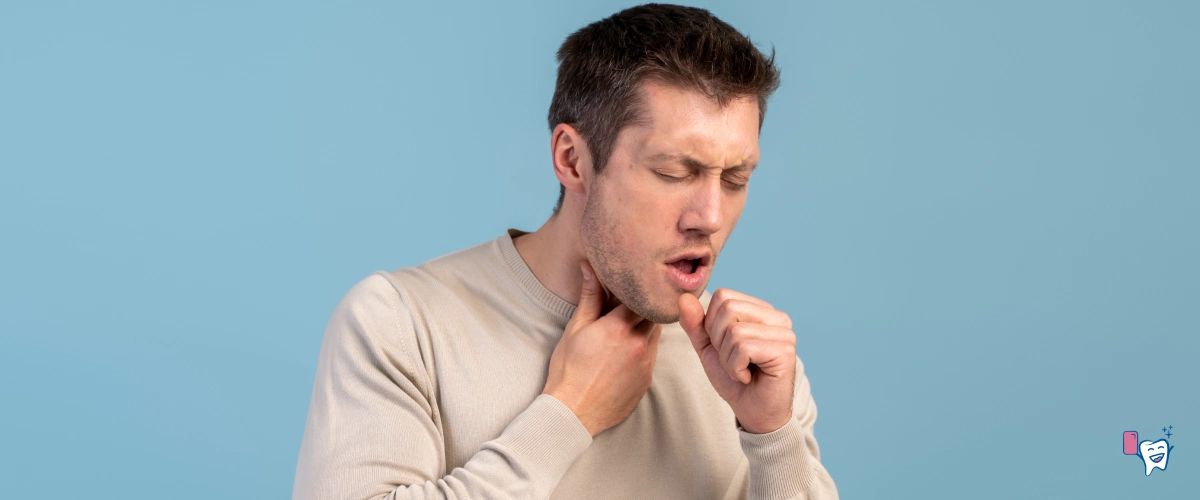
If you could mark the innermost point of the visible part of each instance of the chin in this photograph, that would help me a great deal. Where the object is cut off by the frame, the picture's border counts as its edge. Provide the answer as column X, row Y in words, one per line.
column 670, row 313
column 662, row 316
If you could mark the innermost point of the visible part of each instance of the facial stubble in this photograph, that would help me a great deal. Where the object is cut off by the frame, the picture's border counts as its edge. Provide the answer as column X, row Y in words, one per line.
column 598, row 232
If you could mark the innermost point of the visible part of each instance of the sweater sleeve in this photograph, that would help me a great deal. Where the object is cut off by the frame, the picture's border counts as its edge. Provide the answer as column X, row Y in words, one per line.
column 373, row 431
column 786, row 463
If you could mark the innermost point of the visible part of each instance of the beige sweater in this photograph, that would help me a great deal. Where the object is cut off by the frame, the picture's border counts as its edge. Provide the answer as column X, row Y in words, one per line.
column 428, row 386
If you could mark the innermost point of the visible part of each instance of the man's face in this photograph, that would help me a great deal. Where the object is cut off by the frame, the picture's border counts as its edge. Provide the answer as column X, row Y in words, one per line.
column 638, row 219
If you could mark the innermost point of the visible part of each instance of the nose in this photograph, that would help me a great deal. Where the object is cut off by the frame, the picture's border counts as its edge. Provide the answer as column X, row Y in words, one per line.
column 703, row 213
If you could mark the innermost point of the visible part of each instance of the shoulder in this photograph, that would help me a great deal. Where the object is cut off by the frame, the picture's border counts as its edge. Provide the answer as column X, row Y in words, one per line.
column 373, row 312
column 448, row 275
column 376, row 293
column 455, row 263
column 404, row 290
column 389, row 304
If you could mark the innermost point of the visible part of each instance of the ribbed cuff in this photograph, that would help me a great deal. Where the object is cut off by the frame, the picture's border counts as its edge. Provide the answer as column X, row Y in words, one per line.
column 548, row 437
column 778, row 462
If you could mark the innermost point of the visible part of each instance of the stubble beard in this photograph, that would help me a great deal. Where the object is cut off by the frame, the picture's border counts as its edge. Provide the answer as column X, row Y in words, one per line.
column 612, row 266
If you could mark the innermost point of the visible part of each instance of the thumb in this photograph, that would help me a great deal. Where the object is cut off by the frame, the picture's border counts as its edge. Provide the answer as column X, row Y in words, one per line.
column 691, row 318
column 591, row 300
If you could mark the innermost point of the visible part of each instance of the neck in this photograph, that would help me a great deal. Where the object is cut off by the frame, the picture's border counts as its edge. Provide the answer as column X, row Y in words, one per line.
column 553, row 253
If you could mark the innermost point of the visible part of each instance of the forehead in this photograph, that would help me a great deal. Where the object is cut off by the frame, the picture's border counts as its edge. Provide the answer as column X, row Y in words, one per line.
column 1151, row 444
column 678, row 121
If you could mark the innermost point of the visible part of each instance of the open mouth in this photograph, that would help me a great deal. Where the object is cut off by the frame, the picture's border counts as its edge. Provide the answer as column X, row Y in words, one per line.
column 690, row 271
column 687, row 266
column 1156, row 458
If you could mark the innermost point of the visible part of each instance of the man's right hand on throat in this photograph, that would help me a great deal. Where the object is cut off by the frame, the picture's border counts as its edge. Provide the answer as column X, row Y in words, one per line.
column 603, row 364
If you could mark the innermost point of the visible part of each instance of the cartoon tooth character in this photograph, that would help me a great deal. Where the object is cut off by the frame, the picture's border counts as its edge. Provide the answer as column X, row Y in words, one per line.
column 1155, row 454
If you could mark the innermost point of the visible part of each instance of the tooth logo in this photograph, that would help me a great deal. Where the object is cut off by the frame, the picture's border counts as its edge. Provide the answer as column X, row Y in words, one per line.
column 1153, row 453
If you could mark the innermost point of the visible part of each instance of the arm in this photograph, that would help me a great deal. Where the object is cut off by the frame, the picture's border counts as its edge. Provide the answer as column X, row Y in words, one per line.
column 786, row 463
column 373, row 431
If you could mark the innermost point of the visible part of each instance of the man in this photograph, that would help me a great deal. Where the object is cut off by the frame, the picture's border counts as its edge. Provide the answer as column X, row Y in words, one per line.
column 586, row 359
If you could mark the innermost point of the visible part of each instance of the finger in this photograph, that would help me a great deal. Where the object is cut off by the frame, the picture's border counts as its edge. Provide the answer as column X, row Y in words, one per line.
column 610, row 301
column 730, row 341
column 644, row 327
column 717, row 321
column 691, row 319
column 724, row 294
column 744, row 332
column 591, row 297
column 624, row 316
column 771, row 357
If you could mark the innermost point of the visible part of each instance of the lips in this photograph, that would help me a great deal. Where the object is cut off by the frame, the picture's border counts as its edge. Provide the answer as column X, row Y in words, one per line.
column 704, row 256
column 689, row 271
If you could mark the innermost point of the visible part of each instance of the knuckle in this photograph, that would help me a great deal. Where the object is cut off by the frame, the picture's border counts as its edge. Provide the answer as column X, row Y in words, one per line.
column 638, row 349
column 737, row 332
column 732, row 352
column 735, row 351
column 790, row 338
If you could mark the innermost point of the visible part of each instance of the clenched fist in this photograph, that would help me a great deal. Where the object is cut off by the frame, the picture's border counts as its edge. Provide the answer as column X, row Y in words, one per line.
column 748, row 351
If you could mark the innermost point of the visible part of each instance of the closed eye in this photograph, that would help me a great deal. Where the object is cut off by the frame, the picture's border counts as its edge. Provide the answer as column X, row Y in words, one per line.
column 670, row 178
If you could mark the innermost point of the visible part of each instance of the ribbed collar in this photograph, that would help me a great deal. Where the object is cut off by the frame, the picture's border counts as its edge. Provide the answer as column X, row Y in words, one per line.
column 524, row 276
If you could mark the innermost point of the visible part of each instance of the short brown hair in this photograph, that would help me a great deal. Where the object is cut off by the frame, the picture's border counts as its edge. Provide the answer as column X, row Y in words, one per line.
column 601, row 66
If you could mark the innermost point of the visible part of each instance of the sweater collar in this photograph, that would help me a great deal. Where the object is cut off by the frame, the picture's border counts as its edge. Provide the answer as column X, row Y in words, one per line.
column 524, row 276
column 535, row 289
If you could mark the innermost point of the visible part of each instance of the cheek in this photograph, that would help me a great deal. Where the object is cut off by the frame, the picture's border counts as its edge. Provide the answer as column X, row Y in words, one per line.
column 642, row 209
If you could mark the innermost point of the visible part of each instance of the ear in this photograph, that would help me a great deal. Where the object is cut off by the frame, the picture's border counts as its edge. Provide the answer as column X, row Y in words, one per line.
column 572, row 161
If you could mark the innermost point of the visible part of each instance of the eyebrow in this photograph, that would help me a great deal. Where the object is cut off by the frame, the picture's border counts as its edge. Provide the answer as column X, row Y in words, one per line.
column 697, row 164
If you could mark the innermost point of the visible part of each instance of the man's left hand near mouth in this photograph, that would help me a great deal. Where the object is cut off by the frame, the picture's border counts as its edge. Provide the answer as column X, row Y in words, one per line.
column 748, row 351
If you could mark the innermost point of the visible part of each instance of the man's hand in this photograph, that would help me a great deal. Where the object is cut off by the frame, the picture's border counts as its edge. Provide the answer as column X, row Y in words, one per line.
column 603, row 364
column 748, row 351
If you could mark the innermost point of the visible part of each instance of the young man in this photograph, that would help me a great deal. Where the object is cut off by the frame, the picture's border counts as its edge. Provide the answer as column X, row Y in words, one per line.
column 586, row 359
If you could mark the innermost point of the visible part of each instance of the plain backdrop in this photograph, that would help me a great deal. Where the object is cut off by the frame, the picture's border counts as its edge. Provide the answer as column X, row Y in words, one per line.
column 981, row 216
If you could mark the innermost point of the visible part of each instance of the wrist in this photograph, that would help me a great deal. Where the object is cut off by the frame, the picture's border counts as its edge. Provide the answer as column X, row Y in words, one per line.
column 765, row 427
column 575, row 409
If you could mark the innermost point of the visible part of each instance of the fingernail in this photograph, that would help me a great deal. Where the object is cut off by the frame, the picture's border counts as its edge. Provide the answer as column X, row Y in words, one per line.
column 586, row 275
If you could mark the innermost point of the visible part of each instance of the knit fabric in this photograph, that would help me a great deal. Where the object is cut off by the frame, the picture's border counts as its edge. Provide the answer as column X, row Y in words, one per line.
column 429, row 382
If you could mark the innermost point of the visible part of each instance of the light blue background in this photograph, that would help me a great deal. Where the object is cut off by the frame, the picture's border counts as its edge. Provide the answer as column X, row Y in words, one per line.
column 981, row 217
